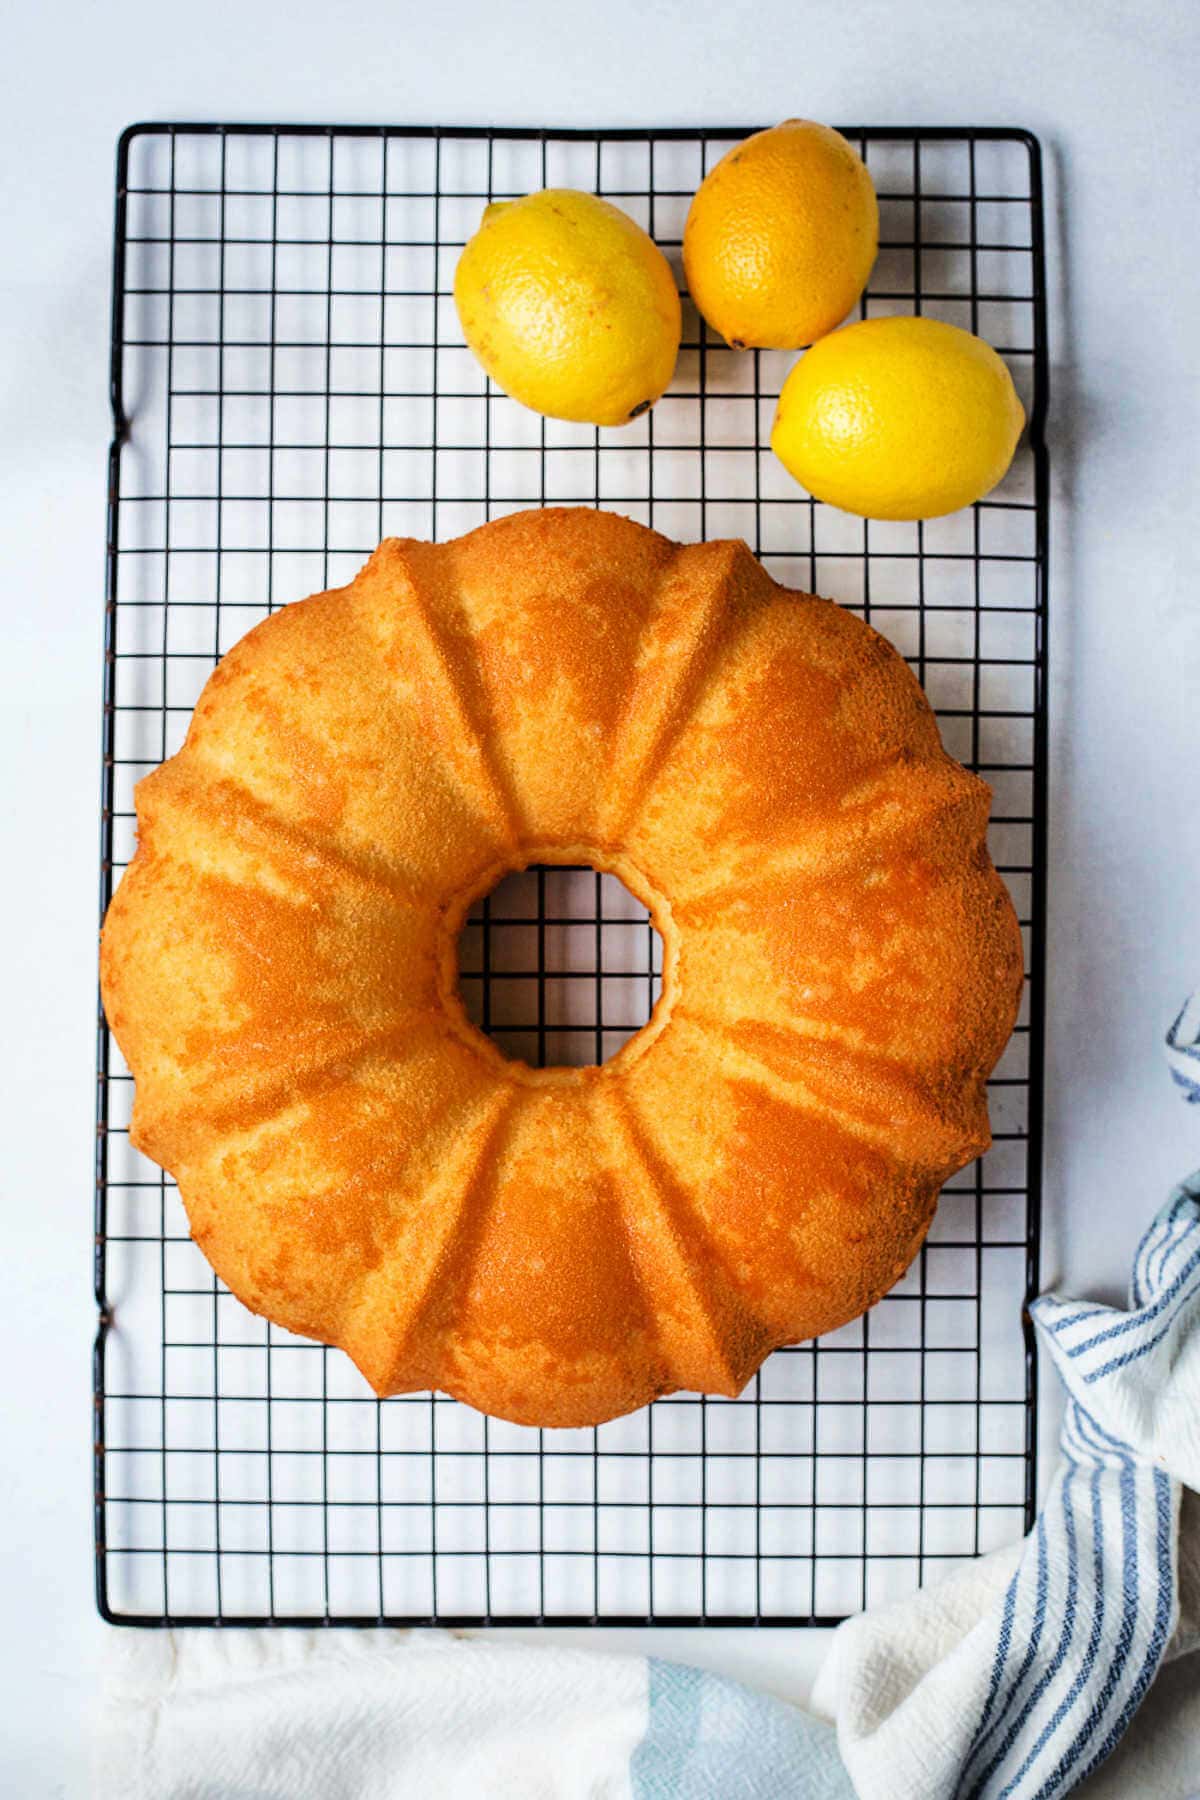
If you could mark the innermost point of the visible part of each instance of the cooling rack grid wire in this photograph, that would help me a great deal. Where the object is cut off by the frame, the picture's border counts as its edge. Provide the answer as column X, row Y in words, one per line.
column 290, row 385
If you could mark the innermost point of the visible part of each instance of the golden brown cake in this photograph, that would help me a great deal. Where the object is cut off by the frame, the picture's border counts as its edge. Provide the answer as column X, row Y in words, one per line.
column 556, row 1246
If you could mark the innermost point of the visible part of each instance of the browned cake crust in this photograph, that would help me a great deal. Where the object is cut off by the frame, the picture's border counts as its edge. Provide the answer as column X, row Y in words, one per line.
column 558, row 1246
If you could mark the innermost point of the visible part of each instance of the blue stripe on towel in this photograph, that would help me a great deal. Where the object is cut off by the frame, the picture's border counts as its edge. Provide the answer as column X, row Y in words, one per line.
column 1102, row 1560
column 1000, row 1660
column 1174, row 1213
column 1087, row 1661
column 1155, row 1247
column 1017, row 1685
column 1132, row 1355
column 1191, row 1089
column 1163, row 1619
column 1066, row 1775
column 1183, row 1050
column 1077, row 1318
column 1154, row 1251
column 1065, row 1638
column 1137, row 1321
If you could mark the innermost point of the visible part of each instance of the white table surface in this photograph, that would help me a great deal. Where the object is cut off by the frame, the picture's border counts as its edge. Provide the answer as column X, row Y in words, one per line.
column 1111, row 89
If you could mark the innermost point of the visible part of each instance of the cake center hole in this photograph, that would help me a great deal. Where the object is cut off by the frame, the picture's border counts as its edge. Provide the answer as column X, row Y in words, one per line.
column 559, row 965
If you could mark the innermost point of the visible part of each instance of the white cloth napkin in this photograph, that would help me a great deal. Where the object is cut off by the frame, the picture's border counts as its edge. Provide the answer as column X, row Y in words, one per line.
column 364, row 1715
column 430, row 1715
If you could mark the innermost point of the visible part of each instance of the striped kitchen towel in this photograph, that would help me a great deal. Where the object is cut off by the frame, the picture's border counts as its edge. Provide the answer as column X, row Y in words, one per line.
column 1018, row 1676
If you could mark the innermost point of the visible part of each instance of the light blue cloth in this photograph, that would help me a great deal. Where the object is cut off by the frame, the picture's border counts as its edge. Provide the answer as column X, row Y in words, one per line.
column 712, row 1739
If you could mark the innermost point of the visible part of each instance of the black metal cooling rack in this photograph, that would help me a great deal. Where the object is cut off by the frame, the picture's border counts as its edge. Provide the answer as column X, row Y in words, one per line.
column 288, row 385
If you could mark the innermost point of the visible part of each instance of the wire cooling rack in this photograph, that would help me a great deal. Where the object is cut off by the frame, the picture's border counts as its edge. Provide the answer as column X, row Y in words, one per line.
column 289, row 384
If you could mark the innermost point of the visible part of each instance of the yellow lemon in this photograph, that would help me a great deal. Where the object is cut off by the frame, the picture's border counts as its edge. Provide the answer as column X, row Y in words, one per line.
column 569, row 306
column 781, row 237
column 898, row 419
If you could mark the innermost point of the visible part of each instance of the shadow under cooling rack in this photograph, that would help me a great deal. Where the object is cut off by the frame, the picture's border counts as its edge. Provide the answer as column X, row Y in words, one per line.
column 290, row 385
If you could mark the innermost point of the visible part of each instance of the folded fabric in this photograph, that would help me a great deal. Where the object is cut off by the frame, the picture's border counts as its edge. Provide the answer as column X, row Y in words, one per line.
column 429, row 1715
column 1017, row 1677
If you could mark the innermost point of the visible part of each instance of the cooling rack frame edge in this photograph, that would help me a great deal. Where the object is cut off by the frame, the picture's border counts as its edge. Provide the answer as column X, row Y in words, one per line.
column 1036, row 438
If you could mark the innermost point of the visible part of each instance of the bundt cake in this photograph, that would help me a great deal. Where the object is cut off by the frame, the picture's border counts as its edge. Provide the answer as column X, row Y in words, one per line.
column 758, row 1164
